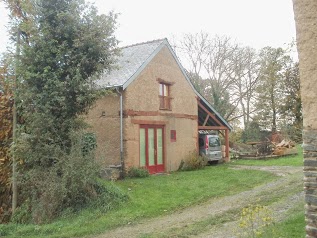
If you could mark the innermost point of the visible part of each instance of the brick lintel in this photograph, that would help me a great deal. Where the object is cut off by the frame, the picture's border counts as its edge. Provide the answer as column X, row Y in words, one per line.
column 127, row 113
column 148, row 122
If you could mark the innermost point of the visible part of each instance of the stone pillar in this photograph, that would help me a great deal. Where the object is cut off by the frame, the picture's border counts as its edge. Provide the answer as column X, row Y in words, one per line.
column 310, row 181
column 306, row 31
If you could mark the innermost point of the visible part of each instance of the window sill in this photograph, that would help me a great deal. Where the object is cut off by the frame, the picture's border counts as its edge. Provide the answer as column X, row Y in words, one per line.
column 165, row 109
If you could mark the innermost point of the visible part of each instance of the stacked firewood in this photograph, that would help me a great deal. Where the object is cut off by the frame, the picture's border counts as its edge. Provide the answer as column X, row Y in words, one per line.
column 284, row 147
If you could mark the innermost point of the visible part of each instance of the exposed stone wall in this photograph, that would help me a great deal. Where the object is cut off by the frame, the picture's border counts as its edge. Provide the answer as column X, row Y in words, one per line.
column 306, row 29
column 310, row 180
column 142, row 95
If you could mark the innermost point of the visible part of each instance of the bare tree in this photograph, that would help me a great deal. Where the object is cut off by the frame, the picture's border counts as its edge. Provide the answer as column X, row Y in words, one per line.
column 219, row 61
column 246, row 80
column 238, row 81
column 194, row 48
column 218, row 67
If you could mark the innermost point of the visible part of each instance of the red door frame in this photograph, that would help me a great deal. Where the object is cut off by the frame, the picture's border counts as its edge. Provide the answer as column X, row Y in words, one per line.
column 156, row 168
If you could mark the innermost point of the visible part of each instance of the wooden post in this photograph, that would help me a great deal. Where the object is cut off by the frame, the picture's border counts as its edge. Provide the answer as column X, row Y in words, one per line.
column 227, row 159
column 197, row 139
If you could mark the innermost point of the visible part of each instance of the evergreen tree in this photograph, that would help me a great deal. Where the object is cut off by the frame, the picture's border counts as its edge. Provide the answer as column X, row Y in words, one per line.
column 274, row 63
column 291, row 108
column 66, row 45
column 71, row 46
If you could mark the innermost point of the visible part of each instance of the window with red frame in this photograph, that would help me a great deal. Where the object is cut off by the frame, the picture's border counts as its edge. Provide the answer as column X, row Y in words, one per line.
column 164, row 95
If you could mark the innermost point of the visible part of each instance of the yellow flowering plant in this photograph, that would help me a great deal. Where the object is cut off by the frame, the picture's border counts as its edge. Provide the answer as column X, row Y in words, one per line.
column 254, row 219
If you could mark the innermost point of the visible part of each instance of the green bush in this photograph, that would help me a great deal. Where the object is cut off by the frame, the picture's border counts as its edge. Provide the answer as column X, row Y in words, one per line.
column 89, row 143
column 292, row 132
column 69, row 183
column 134, row 172
column 192, row 161
column 252, row 132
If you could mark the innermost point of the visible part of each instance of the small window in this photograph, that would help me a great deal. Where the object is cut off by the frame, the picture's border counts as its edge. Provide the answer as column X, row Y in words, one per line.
column 164, row 95
column 173, row 135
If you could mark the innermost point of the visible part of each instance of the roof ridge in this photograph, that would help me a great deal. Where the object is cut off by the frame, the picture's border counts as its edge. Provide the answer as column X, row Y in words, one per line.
column 143, row 43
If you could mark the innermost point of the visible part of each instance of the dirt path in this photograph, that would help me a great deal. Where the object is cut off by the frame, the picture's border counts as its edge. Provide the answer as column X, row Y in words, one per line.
column 286, row 190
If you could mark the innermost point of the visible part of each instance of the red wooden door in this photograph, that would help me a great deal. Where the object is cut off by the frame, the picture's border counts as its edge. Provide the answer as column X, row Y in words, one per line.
column 152, row 148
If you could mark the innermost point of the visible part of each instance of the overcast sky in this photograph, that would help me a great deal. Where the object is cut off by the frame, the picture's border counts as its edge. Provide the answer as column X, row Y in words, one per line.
column 255, row 23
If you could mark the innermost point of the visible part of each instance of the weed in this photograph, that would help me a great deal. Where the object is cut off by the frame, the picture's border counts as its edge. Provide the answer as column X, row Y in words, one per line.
column 22, row 214
column 254, row 219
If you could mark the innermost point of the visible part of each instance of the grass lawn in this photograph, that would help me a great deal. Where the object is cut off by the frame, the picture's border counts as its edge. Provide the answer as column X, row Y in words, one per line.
column 149, row 197
column 291, row 160
column 292, row 227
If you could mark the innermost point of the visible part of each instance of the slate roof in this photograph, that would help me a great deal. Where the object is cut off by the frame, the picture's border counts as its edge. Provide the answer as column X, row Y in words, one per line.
column 130, row 62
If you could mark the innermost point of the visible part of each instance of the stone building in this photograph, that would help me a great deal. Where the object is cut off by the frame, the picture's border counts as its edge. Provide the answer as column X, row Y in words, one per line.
column 152, row 116
column 306, row 29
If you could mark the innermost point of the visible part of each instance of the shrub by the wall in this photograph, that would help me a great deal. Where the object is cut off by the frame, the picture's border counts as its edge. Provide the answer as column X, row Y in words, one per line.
column 193, row 161
column 134, row 172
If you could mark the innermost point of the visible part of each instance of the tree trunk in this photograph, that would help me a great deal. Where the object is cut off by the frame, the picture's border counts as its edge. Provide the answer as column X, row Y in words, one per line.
column 306, row 29
column 14, row 129
column 273, row 109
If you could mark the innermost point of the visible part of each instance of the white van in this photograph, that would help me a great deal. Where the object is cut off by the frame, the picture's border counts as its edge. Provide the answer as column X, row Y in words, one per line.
column 210, row 146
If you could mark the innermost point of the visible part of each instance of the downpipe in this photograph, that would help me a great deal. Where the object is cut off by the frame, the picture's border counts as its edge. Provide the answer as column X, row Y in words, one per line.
column 121, row 133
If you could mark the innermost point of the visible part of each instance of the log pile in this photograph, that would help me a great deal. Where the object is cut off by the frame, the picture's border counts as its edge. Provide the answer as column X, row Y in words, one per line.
column 285, row 147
